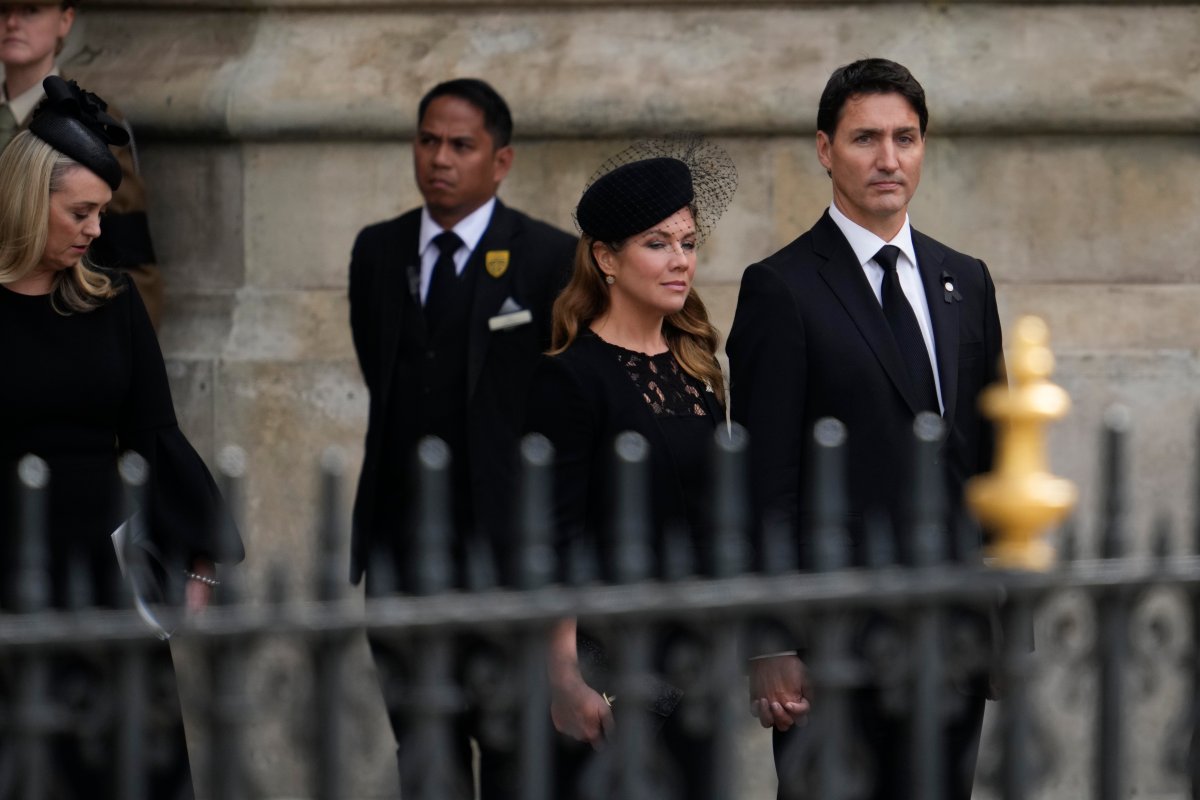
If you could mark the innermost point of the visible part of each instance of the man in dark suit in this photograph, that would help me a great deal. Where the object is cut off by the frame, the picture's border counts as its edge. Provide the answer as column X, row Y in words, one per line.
column 866, row 320
column 450, row 309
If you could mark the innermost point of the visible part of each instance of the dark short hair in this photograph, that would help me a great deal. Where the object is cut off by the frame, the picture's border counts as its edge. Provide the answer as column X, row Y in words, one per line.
column 868, row 76
column 497, row 119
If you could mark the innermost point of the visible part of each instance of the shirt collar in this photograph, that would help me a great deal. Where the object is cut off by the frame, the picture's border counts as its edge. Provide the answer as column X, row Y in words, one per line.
column 866, row 244
column 23, row 104
column 470, row 228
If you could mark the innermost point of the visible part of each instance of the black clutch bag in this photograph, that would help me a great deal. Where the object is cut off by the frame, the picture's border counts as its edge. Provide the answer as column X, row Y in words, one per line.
column 654, row 696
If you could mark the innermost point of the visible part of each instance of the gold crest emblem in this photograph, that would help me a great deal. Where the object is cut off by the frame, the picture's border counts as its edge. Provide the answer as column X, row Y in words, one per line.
column 496, row 262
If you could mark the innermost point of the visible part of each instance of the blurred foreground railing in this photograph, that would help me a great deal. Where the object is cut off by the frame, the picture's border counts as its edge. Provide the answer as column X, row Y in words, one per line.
column 924, row 645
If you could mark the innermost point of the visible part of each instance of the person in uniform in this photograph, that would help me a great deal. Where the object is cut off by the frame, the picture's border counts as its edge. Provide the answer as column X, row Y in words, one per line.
column 449, row 311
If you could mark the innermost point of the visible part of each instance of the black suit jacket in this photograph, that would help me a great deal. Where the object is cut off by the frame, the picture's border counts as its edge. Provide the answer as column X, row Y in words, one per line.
column 809, row 340
column 387, row 324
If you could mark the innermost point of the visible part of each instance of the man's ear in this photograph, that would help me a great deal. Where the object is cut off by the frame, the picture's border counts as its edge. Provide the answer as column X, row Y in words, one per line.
column 502, row 163
column 824, row 146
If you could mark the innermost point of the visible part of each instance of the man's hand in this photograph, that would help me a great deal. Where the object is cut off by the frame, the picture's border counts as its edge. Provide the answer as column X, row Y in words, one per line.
column 779, row 691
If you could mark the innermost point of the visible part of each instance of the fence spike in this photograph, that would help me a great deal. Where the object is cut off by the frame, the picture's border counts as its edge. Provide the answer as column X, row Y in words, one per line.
column 231, row 474
column 929, row 492
column 1068, row 540
column 536, row 515
column 1114, row 494
column 780, row 552
column 828, row 479
column 881, row 540
column 632, row 529
column 536, row 569
column 679, row 560
column 435, row 526
column 1160, row 538
column 329, row 651
column 33, row 581
column 226, row 658
column 731, row 504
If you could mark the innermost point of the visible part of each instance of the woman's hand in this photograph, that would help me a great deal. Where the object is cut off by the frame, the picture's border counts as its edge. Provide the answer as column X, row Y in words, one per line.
column 579, row 711
column 197, row 593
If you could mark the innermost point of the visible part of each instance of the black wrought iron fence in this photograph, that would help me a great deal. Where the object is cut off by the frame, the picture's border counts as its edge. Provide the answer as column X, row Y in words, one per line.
column 922, row 644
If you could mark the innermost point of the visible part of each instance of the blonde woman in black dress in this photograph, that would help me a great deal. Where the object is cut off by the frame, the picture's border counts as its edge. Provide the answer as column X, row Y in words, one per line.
column 85, row 382
column 633, row 350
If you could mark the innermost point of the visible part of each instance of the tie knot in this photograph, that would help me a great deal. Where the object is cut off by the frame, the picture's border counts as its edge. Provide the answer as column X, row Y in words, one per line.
column 447, row 243
column 886, row 257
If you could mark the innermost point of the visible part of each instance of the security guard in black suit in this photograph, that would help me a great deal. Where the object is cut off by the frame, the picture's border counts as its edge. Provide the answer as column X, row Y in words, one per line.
column 450, row 309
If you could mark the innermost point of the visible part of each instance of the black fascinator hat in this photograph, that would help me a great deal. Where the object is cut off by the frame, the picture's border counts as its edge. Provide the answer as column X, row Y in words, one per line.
column 653, row 179
column 76, row 123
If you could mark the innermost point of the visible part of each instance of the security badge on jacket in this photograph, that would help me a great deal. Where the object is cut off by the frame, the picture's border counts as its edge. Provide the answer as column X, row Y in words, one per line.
column 496, row 262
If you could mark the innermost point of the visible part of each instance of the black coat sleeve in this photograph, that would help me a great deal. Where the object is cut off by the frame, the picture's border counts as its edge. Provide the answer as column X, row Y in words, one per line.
column 186, row 509
column 994, row 368
column 361, row 293
column 559, row 408
column 767, row 385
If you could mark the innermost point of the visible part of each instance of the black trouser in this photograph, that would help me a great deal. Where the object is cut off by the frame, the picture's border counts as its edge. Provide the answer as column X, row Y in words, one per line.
column 443, row 768
column 880, row 751
column 679, row 766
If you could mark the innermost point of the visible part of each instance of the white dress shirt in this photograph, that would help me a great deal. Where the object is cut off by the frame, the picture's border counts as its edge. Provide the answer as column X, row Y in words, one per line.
column 865, row 245
column 470, row 229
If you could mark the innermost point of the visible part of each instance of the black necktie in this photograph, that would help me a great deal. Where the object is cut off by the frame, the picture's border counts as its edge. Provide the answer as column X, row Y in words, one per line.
column 443, row 283
column 906, row 331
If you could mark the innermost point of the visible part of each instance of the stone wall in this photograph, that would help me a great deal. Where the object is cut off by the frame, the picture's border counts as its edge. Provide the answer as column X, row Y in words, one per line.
column 1062, row 150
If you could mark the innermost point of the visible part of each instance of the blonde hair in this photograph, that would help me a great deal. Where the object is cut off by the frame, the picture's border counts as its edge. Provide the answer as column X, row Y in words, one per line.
column 692, row 339
column 30, row 171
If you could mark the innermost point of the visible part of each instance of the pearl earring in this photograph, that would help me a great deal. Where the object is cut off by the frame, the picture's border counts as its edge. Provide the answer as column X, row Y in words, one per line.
column 610, row 280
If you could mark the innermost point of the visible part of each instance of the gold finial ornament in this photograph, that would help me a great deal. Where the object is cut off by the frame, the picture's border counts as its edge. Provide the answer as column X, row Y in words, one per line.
column 1019, row 498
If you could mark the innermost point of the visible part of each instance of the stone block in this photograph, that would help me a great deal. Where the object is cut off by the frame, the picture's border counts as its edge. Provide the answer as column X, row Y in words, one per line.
column 196, row 324
column 192, row 391
column 1089, row 209
column 306, row 201
column 291, row 327
column 196, row 214
column 1159, row 390
column 355, row 72
column 195, row 57
column 1106, row 316
column 284, row 415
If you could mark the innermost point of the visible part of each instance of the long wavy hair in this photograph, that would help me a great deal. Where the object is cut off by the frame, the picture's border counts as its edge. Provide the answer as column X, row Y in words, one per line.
column 30, row 171
column 692, row 339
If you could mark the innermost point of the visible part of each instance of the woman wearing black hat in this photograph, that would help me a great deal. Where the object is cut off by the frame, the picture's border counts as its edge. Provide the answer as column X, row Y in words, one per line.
column 85, row 382
column 633, row 350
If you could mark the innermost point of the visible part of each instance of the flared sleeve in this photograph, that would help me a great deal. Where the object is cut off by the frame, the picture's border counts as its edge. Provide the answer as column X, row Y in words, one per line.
column 186, row 512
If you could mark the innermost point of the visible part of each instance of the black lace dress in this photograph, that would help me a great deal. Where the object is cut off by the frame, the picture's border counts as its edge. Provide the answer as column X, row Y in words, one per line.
column 582, row 399
column 676, row 399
